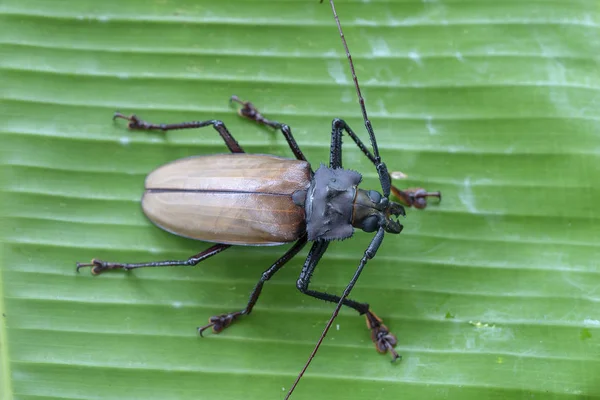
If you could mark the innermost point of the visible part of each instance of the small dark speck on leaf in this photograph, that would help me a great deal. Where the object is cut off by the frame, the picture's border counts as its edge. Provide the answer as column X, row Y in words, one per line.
column 449, row 315
column 585, row 334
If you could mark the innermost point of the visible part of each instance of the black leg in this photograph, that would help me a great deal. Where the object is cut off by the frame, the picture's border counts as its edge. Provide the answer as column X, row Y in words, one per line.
column 335, row 159
column 314, row 256
column 416, row 197
column 136, row 123
column 382, row 338
column 249, row 111
column 380, row 334
column 220, row 322
column 99, row 266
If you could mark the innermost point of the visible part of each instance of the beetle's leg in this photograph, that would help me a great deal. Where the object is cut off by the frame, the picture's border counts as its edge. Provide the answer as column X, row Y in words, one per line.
column 380, row 335
column 382, row 338
column 99, row 266
column 415, row 197
column 230, row 142
column 249, row 111
column 314, row 256
column 410, row 197
column 220, row 322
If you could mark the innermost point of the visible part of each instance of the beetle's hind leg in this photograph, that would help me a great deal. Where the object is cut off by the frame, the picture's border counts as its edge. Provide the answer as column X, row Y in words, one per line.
column 249, row 111
column 220, row 322
column 136, row 123
column 99, row 266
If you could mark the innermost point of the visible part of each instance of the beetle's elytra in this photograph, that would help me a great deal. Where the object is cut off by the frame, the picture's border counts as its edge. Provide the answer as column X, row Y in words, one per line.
column 238, row 198
column 261, row 200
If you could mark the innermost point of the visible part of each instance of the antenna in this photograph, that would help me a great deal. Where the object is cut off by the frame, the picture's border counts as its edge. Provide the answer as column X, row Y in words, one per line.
column 361, row 100
column 378, row 237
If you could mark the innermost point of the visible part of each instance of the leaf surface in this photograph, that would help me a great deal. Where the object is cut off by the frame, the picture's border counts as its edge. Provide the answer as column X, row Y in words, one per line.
column 493, row 294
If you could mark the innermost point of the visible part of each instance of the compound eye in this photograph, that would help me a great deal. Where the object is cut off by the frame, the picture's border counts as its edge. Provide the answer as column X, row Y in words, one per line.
column 370, row 224
column 374, row 196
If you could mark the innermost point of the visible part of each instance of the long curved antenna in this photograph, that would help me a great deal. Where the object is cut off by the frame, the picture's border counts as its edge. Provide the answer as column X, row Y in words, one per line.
column 384, row 176
column 385, row 180
column 369, row 254
column 361, row 100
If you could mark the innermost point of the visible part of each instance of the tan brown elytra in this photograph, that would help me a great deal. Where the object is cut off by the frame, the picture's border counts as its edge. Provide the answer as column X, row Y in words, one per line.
column 256, row 190
column 263, row 200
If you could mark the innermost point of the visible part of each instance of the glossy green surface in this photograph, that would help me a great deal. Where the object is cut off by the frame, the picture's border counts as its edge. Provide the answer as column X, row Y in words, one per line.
column 493, row 294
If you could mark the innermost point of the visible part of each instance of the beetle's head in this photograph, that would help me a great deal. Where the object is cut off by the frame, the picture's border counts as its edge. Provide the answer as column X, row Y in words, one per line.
column 372, row 211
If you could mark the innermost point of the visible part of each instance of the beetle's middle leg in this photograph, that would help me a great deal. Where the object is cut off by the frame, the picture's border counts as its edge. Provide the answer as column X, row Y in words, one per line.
column 412, row 197
column 383, row 339
column 249, row 111
column 220, row 322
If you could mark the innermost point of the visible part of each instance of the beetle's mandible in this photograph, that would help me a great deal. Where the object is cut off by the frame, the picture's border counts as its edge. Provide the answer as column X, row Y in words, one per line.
column 252, row 199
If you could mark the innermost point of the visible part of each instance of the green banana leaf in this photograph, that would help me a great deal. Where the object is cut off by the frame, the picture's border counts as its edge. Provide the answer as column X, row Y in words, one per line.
column 494, row 293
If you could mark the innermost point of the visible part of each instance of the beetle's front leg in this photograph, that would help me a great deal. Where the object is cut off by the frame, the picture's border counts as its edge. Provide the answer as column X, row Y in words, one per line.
column 412, row 197
column 380, row 335
column 383, row 339
column 220, row 322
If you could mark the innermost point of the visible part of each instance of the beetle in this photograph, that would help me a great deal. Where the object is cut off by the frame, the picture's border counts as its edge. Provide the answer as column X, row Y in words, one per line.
column 263, row 200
